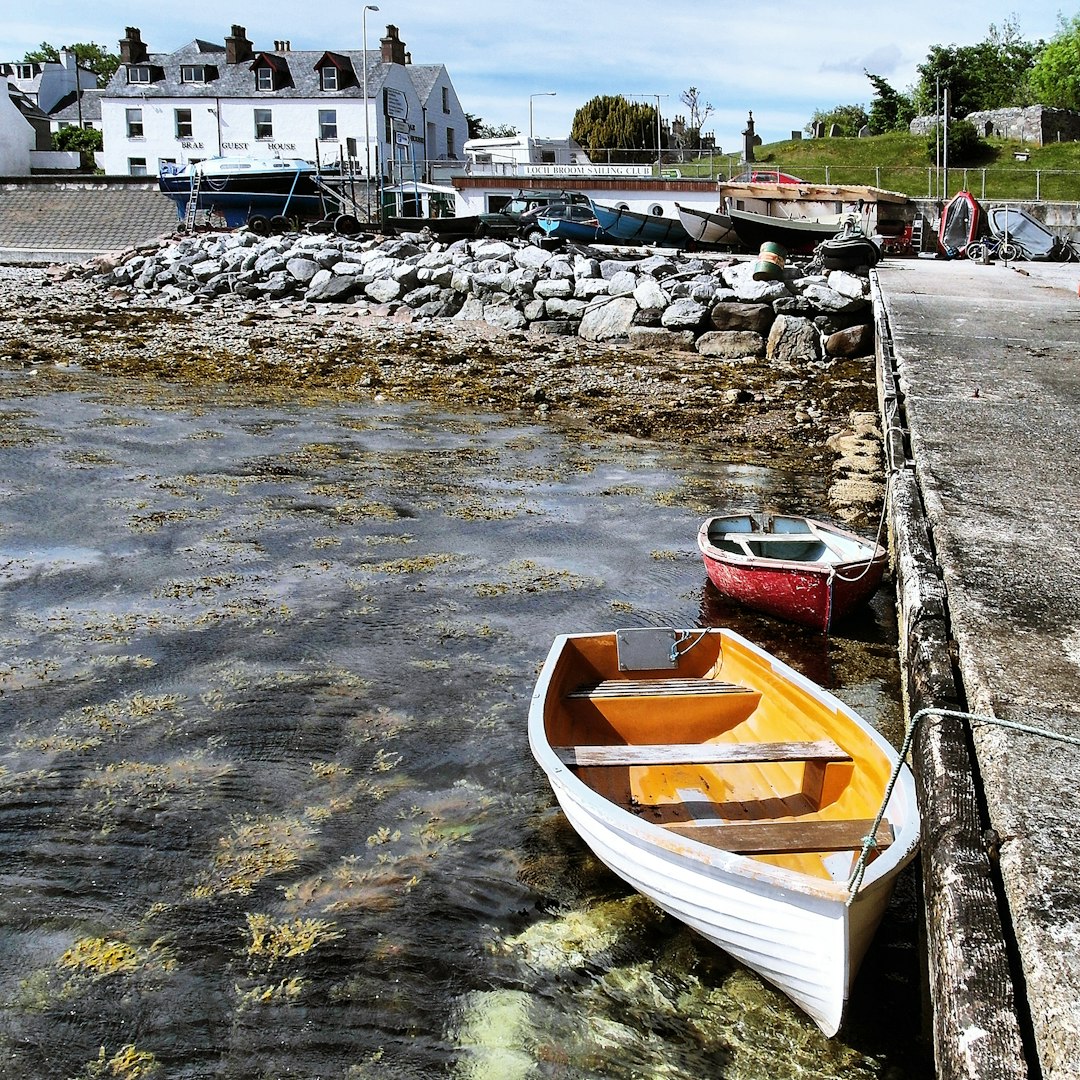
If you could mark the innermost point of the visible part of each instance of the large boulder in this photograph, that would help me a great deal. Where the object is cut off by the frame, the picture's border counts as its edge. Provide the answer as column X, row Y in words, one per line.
column 731, row 344
column 608, row 318
column 793, row 341
column 735, row 316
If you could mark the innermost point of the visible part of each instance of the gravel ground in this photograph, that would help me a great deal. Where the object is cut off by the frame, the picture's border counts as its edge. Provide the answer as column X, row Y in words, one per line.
column 797, row 418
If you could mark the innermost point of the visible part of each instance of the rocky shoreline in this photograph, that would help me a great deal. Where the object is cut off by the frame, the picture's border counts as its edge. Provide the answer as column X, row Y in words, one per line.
column 667, row 346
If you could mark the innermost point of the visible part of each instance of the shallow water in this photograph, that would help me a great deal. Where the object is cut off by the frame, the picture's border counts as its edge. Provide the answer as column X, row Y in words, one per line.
column 267, row 807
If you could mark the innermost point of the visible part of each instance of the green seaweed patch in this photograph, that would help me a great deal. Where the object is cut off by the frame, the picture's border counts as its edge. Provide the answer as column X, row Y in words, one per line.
column 257, row 848
column 204, row 588
column 284, row 992
column 128, row 1063
column 153, row 786
column 100, row 958
column 525, row 576
column 419, row 565
column 273, row 942
column 158, row 519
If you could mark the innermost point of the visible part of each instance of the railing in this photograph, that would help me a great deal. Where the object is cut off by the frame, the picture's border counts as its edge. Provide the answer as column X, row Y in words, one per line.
column 929, row 182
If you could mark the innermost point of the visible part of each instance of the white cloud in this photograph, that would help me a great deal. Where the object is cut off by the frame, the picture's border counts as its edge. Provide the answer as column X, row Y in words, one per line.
column 780, row 60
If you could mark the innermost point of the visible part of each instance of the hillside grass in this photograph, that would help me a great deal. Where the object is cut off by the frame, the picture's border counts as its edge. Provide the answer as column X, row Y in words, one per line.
column 901, row 162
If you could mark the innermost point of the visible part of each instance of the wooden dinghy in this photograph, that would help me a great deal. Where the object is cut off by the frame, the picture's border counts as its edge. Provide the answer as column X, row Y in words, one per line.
column 790, row 566
column 733, row 792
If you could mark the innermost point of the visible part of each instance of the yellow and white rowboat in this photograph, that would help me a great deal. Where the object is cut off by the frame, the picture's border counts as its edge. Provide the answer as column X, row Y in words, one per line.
column 736, row 794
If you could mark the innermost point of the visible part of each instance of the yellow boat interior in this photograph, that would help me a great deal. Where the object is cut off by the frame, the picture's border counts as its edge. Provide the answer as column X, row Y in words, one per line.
column 716, row 744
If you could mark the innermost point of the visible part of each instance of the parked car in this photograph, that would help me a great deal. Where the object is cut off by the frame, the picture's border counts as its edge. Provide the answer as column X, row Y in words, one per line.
column 576, row 221
column 520, row 212
column 765, row 176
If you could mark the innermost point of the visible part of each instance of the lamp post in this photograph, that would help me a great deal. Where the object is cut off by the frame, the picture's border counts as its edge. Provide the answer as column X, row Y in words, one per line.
column 367, row 132
column 543, row 93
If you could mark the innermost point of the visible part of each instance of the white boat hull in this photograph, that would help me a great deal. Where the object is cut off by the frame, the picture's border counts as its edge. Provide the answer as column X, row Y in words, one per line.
column 805, row 934
column 809, row 947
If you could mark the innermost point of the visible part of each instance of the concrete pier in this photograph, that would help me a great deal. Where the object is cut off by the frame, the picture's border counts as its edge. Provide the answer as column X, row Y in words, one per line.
column 980, row 392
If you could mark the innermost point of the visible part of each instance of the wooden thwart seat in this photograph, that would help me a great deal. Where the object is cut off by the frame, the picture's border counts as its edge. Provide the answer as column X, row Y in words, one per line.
column 637, row 688
column 824, row 750
column 786, row 837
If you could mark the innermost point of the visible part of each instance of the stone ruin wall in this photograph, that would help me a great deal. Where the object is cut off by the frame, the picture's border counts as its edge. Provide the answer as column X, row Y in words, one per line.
column 1035, row 124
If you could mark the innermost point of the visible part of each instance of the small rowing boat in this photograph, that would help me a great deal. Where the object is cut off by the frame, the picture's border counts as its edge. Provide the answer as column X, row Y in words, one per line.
column 734, row 793
column 794, row 567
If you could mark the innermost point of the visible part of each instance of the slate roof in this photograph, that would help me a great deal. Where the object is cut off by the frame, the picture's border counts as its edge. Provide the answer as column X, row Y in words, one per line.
column 297, row 74
column 67, row 108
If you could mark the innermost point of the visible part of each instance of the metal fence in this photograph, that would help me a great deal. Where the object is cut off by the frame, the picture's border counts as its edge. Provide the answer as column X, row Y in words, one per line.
column 931, row 182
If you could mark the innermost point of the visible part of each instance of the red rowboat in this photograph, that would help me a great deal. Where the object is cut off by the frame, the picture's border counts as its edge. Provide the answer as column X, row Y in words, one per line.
column 794, row 567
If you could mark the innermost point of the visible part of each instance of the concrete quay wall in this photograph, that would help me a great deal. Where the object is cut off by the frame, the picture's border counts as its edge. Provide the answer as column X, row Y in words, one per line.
column 979, row 387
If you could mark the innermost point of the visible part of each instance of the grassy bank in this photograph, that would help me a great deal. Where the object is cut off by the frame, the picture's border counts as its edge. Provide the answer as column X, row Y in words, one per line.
column 901, row 162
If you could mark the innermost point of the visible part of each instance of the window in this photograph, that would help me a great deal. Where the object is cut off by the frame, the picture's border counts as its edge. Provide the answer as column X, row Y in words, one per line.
column 136, row 166
column 134, row 123
column 446, row 99
column 264, row 124
column 264, row 77
column 25, row 71
column 328, row 124
column 451, row 150
column 138, row 74
column 192, row 73
column 329, row 76
column 183, row 123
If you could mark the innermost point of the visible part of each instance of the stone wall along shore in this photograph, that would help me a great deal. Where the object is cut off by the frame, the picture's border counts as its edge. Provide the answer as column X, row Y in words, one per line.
column 706, row 303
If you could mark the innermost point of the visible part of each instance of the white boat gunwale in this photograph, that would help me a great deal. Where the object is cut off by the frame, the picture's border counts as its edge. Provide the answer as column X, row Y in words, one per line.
column 829, row 537
column 712, row 860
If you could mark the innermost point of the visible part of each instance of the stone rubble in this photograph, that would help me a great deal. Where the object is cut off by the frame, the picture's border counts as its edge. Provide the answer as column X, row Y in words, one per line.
column 667, row 300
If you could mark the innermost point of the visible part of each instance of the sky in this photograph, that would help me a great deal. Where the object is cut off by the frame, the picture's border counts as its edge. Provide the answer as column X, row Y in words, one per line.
column 537, row 63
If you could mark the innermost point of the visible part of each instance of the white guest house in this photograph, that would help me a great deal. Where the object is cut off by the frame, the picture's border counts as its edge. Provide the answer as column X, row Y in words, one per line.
column 207, row 100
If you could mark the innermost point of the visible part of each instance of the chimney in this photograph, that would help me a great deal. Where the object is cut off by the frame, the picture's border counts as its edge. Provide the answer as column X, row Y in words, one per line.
column 237, row 47
column 393, row 49
column 132, row 47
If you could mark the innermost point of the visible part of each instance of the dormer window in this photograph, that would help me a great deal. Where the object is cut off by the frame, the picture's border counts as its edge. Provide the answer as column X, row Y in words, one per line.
column 192, row 73
column 329, row 77
column 264, row 78
column 138, row 73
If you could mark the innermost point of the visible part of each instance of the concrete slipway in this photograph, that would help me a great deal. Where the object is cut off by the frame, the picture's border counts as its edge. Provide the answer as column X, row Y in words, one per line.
column 979, row 369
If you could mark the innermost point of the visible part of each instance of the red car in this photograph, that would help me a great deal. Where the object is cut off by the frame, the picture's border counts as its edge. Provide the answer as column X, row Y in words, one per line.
column 766, row 176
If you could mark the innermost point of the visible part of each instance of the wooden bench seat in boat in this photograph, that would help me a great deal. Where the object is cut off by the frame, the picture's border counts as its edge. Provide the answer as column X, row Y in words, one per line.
column 824, row 750
column 638, row 688
column 641, row 710
column 785, row 837
column 816, row 757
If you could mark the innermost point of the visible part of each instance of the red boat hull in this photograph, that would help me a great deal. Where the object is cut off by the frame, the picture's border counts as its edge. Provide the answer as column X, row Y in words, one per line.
column 796, row 568
column 811, row 597
column 961, row 224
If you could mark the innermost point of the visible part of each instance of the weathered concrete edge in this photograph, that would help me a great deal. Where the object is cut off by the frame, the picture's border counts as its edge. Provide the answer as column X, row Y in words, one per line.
column 976, row 1027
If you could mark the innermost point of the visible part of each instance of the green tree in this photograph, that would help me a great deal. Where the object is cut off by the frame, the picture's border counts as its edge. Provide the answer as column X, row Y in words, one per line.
column 964, row 145
column 85, row 140
column 481, row 129
column 623, row 130
column 92, row 56
column 993, row 74
column 847, row 118
column 1054, row 80
column 700, row 111
column 890, row 110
